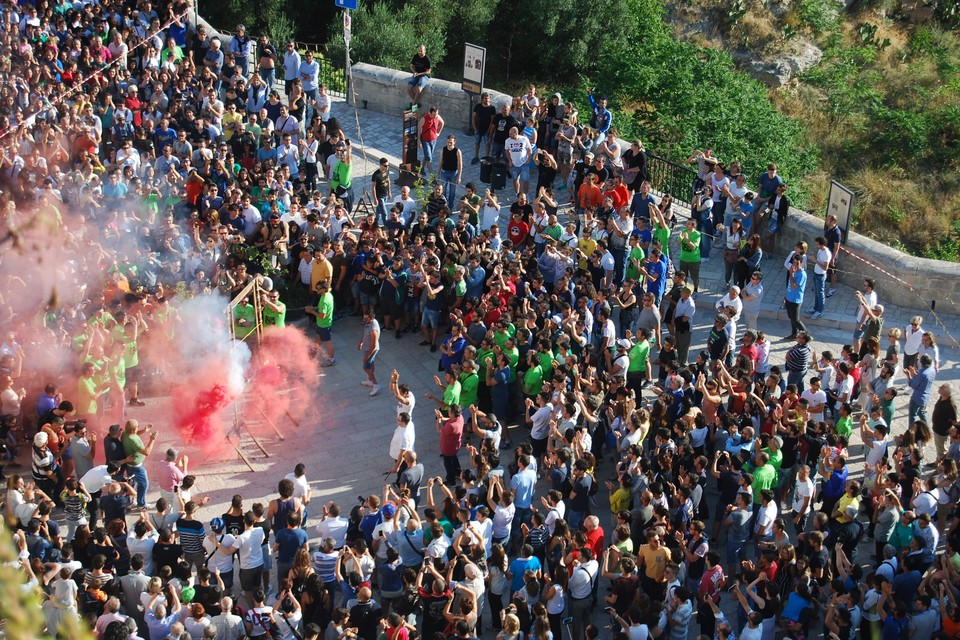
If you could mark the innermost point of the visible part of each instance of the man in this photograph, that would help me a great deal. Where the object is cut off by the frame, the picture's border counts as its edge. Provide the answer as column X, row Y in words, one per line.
column 191, row 532
column 172, row 471
column 421, row 67
column 653, row 558
column 690, row 252
column 259, row 617
column 382, row 191
column 333, row 525
column 921, row 382
column 835, row 487
column 218, row 561
column 366, row 614
column 798, row 360
column 287, row 542
column 291, row 67
column 519, row 152
column 249, row 544
column 820, row 268
column 450, row 428
column 500, row 128
column 793, row 299
column 403, row 439
column 137, row 454
column 135, row 584
column 324, row 315
column 369, row 347
column 228, row 625
column 683, row 322
column 834, row 237
column 481, row 119
column 602, row 117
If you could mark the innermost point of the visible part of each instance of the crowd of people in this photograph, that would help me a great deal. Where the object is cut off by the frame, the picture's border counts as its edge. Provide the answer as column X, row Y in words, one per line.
column 595, row 472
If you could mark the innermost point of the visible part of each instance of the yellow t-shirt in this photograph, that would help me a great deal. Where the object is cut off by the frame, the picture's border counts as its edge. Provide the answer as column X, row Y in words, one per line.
column 655, row 561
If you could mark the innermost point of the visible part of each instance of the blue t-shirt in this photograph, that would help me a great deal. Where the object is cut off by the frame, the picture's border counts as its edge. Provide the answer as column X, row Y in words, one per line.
column 796, row 295
column 659, row 269
column 523, row 485
column 289, row 541
column 518, row 567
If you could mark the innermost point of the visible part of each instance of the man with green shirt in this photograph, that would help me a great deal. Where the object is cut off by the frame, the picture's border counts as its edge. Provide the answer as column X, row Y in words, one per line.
column 469, row 385
column 533, row 378
column 137, row 453
column 274, row 311
column 764, row 476
column 324, row 316
column 244, row 319
column 639, row 370
column 635, row 258
column 452, row 390
column 690, row 252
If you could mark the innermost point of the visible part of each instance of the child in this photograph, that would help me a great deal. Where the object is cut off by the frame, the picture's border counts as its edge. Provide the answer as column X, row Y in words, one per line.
column 75, row 499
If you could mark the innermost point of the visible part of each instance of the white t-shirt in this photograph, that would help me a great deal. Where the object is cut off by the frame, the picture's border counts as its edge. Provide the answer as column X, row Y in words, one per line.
column 878, row 449
column 95, row 479
column 300, row 485
column 219, row 559
column 403, row 439
column 803, row 489
column 502, row 519
column 143, row 546
column 556, row 513
column 519, row 149
column 823, row 256
column 815, row 398
column 389, row 534
column 407, row 407
column 489, row 216
column 871, row 299
column 249, row 545
column 765, row 518
column 926, row 502
column 438, row 547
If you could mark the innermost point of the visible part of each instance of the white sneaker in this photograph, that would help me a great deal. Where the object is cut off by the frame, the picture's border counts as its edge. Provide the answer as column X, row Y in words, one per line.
column 375, row 390
column 816, row 315
column 366, row 383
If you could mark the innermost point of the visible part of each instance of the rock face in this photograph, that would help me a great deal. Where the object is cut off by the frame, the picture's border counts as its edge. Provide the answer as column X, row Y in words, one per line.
column 778, row 70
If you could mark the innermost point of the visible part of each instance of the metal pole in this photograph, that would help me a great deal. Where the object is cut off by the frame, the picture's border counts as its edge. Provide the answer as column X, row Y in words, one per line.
column 346, row 62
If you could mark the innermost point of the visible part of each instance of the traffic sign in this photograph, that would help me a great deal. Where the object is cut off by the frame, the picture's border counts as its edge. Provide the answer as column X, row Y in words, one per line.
column 346, row 4
column 347, row 22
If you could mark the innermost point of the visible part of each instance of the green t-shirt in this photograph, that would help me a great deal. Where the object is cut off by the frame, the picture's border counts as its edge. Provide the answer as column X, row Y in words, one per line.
column 546, row 364
column 132, row 446
column 275, row 318
column 244, row 312
column 118, row 372
column 763, row 478
column 131, row 353
column 325, row 311
column 451, row 395
column 468, row 388
column 474, row 201
column 553, row 232
column 845, row 426
column 500, row 337
column 86, row 395
column 514, row 355
column 663, row 235
column 533, row 381
column 686, row 253
column 639, row 353
column 482, row 355
column 636, row 253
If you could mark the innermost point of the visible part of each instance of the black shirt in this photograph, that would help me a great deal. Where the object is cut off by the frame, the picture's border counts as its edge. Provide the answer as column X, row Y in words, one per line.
column 421, row 65
column 233, row 524
column 166, row 554
column 381, row 183
column 484, row 115
column 501, row 127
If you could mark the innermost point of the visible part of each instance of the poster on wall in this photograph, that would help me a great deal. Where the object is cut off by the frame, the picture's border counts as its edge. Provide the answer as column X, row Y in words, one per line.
column 474, row 65
column 840, row 204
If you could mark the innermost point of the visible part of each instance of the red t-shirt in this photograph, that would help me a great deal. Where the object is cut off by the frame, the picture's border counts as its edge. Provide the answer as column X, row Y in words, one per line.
column 595, row 541
column 517, row 231
column 450, row 435
column 710, row 583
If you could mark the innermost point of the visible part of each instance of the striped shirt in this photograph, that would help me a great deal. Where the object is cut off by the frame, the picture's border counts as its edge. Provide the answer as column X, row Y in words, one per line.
column 191, row 535
column 325, row 564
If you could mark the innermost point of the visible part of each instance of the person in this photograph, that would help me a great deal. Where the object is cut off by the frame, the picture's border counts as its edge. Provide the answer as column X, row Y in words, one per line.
column 920, row 380
column 820, row 267
column 249, row 545
column 421, row 68
column 450, row 428
column 137, row 453
column 519, row 153
column 369, row 347
column 451, row 170
column 324, row 315
column 793, row 298
column 382, row 189
column 431, row 125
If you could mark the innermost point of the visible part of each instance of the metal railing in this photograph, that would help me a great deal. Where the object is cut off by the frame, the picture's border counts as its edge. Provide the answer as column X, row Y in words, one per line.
column 667, row 176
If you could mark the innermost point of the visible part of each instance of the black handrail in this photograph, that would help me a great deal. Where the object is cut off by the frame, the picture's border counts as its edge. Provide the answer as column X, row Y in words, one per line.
column 667, row 176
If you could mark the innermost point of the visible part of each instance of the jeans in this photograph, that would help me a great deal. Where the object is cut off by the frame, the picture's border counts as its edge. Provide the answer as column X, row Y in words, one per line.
column 428, row 147
column 819, row 291
column 575, row 519
column 797, row 378
column 269, row 76
column 579, row 609
column 916, row 411
column 706, row 229
column 140, row 478
column 451, row 464
column 619, row 264
column 382, row 211
column 793, row 312
column 449, row 181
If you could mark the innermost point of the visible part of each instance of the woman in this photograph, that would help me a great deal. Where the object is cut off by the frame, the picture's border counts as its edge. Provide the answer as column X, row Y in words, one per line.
column 703, row 213
column 635, row 166
column 548, row 169
column 555, row 596
column 748, row 261
column 467, row 611
column 46, row 471
column 510, row 628
column 117, row 530
column 869, row 360
column 731, row 253
column 197, row 621
column 497, row 584
column 928, row 346
column 944, row 417
column 301, row 570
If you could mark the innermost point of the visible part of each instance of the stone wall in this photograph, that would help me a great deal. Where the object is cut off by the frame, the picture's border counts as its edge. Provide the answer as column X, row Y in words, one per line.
column 385, row 91
column 934, row 281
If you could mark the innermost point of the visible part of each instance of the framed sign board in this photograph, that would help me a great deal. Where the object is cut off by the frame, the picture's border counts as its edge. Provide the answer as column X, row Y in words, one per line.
column 474, row 66
column 840, row 204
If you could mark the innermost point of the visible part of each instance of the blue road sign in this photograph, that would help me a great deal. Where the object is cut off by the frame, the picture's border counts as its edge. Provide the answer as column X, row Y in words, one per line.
column 346, row 4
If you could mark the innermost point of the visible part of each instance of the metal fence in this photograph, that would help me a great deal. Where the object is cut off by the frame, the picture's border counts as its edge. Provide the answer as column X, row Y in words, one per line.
column 667, row 176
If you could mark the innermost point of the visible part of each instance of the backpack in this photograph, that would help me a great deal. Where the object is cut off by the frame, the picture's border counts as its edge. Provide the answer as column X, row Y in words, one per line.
column 594, row 486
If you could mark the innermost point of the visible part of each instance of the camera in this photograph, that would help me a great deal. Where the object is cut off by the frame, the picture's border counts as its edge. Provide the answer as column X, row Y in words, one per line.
column 699, row 192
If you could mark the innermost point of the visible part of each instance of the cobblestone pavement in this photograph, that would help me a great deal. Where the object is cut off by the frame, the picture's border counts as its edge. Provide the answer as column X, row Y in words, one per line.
column 345, row 444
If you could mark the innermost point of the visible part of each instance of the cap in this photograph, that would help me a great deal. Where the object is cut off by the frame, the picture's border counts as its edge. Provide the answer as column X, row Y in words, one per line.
column 217, row 524
column 623, row 342
column 40, row 439
column 187, row 595
column 556, row 319
column 389, row 510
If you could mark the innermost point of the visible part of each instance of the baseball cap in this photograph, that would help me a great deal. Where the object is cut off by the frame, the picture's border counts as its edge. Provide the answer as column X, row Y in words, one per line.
column 389, row 510
column 217, row 524
column 623, row 342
